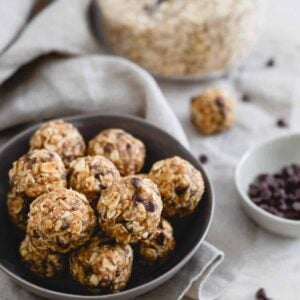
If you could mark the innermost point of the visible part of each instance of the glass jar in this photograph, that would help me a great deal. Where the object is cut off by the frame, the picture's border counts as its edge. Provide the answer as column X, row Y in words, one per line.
column 181, row 39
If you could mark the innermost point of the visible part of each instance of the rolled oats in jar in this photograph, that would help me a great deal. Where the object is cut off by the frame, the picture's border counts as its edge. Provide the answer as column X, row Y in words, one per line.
column 181, row 38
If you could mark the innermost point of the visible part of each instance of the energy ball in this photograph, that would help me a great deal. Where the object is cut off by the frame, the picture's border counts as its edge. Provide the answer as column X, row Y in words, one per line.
column 61, row 137
column 160, row 245
column 124, row 150
column 18, row 209
column 37, row 172
column 180, row 185
column 102, row 267
column 91, row 175
column 42, row 263
column 130, row 209
column 213, row 111
column 60, row 221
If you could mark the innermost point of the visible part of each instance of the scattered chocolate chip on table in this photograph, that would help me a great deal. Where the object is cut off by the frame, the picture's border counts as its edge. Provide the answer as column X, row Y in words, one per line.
column 261, row 295
column 270, row 63
column 203, row 158
column 281, row 123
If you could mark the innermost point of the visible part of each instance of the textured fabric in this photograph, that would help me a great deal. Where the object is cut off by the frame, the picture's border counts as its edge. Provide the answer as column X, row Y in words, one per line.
column 52, row 70
column 80, row 81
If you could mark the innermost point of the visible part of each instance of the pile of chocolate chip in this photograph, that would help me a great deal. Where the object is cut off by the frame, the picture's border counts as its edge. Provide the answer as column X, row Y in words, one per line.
column 279, row 193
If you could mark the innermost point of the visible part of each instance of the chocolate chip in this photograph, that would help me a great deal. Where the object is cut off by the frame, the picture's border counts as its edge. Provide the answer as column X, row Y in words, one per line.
column 265, row 194
column 246, row 98
column 136, row 182
column 150, row 206
column 219, row 101
column 108, row 148
column 261, row 295
column 139, row 198
column 179, row 190
column 203, row 158
column 88, row 270
column 281, row 123
column 270, row 63
column 262, row 177
column 160, row 239
column 296, row 206
column 278, row 193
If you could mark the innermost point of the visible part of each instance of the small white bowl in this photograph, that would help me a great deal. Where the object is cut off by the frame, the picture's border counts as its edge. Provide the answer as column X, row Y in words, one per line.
column 268, row 157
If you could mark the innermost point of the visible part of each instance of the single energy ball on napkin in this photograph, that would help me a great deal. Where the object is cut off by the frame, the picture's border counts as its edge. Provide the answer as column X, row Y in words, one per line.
column 102, row 267
column 124, row 150
column 42, row 263
column 160, row 245
column 180, row 185
column 91, row 175
column 130, row 209
column 61, row 137
column 60, row 221
column 213, row 111
column 18, row 209
column 37, row 172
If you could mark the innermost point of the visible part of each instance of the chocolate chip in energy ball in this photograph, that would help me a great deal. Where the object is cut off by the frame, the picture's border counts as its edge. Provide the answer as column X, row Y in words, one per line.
column 220, row 103
column 179, row 190
column 160, row 239
column 150, row 207
column 136, row 182
column 138, row 198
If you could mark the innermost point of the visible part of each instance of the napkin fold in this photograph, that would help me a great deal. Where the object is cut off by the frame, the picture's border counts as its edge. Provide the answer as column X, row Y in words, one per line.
column 52, row 69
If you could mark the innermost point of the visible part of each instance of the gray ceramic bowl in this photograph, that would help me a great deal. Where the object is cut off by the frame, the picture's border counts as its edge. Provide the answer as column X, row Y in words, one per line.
column 189, row 232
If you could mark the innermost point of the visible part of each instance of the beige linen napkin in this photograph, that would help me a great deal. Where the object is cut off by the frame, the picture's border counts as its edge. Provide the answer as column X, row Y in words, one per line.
column 74, row 80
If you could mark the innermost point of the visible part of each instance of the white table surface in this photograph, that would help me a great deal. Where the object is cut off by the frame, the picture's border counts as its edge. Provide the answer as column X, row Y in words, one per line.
column 277, row 271
column 275, row 264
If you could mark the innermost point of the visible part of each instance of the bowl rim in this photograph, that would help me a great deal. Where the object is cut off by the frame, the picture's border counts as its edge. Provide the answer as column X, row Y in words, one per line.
column 244, row 196
column 156, row 281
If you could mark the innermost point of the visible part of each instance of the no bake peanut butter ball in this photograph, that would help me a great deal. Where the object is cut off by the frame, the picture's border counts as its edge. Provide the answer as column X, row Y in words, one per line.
column 213, row 111
column 37, row 172
column 18, row 209
column 60, row 221
column 180, row 185
column 91, row 175
column 130, row 209
column 102, row 267
column 42, row 263
column 33, row 174
column 61, row 137
column 160, row 245
column 124, row 150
